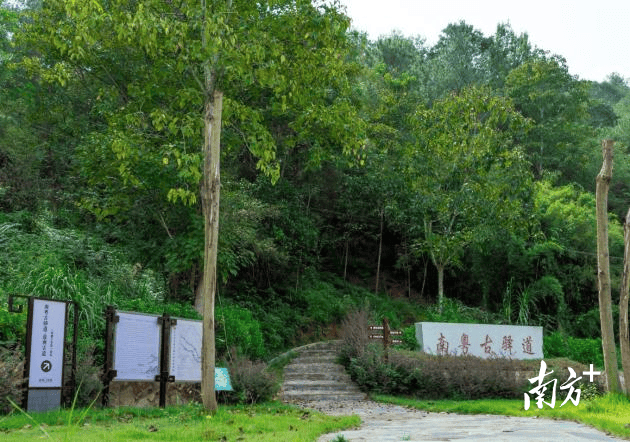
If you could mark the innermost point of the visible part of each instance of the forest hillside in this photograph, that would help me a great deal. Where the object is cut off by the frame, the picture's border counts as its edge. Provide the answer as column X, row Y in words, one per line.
column 412, row 179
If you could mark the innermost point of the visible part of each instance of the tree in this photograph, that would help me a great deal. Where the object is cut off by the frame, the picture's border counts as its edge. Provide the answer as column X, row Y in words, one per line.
column 506, row 51
column 603, row 269
column 543, row 90
column 624, row 293
column 459, row 59
column 467, row 173
column 168, row 69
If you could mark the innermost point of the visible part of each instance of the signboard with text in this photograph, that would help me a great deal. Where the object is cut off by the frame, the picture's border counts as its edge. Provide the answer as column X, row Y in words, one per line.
column 47, row 344
column 137, row 347
column 482, row 340
column 185, row 357
column 151, row 348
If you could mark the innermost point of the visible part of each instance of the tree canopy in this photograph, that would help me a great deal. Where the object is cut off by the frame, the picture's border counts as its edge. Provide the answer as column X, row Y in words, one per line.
column 368, row 160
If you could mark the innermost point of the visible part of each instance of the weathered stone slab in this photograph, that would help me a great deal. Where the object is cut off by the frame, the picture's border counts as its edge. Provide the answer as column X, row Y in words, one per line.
column 482, row 340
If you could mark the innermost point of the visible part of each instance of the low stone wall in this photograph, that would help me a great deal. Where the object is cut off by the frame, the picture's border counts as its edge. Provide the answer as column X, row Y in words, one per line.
column 147, row 394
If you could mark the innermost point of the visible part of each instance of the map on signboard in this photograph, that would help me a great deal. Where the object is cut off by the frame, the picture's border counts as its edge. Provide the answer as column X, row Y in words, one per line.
column 137, row 347
column 185, row 354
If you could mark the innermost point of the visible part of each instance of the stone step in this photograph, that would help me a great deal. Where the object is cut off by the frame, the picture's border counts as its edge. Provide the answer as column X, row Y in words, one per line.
column 319, row 376
column 310, row 368
column 316, row 359
column 305, row 395
column 320, row 385
column 315, row 353
column 328, row 345
column 314, row 375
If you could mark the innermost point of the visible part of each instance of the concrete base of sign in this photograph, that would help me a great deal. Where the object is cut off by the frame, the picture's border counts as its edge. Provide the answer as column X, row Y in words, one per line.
column 43, row 400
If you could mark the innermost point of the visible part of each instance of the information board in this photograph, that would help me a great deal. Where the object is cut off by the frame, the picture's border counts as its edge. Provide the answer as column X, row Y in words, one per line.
column 482, row 340
column 185, row 355
column 137, row 347
column 48, row 336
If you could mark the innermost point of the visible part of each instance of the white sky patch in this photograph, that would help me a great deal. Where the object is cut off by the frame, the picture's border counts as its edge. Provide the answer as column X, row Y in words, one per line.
column 593, row 36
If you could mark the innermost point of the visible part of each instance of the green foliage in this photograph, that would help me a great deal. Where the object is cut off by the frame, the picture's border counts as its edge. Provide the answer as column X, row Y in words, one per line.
column 544, row 91
column 236, row 328
column 409, row 339
column 100, row 161
column 12, row 325
column 467, row 172
column 455, row 311
column 583, row 350
column 325, row 303
column 69, row 264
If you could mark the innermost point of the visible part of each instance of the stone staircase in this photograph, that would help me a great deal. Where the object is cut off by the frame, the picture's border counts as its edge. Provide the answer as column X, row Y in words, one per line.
column 315, row 376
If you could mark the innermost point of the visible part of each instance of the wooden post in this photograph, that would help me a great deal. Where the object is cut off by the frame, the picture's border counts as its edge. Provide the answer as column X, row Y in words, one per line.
column 108, row 373
column 624, row 332
column 164, row 377
column 386, row 339
column 380, row 249
column 603, row 268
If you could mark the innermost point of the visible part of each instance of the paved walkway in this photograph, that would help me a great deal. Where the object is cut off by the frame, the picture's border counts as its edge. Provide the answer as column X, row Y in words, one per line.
column 385, row 423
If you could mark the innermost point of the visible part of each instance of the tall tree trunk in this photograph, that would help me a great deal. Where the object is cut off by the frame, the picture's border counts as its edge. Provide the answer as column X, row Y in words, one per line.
column 440, row 270
column 345, row 261
column 210, row 192
column 380, row 248
column 624, row 332
column 603, row 271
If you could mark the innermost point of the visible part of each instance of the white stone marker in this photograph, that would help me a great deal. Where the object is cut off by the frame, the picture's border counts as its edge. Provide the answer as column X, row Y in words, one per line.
column 482, row 340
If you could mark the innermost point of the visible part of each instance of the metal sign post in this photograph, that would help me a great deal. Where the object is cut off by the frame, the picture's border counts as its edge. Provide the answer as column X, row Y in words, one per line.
column 47, row 383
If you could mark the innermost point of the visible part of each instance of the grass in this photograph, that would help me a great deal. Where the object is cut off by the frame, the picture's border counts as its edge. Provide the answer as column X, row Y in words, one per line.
column 265, row 422
column 609, row 413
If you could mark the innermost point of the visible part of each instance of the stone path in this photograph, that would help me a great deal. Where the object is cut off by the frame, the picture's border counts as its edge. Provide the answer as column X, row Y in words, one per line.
column 313, row 380
column 386, row 422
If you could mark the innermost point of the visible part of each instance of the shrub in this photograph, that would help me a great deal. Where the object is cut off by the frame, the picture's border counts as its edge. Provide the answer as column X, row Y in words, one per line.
column 11, row 370
column 354, row 334
column 251, row 382
column 12, row 326
column 437, row 377
column 409, row 338
column 583, row 350
column 236, row 327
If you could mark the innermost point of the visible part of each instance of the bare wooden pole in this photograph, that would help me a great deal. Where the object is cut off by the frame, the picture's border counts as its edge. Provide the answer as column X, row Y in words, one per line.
column 380, row 249
column 603, row 268
column 211, row 184
column 624, row 332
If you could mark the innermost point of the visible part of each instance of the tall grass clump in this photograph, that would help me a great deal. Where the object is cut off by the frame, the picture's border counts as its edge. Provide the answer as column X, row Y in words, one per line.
column 66, row 264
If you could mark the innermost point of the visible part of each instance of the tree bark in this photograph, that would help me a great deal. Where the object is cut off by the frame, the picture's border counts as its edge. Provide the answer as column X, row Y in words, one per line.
column 440, row 270
column 380, row 248
column 345, row 261
column 624, row 333
column 603, row 271
column 210, row 192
